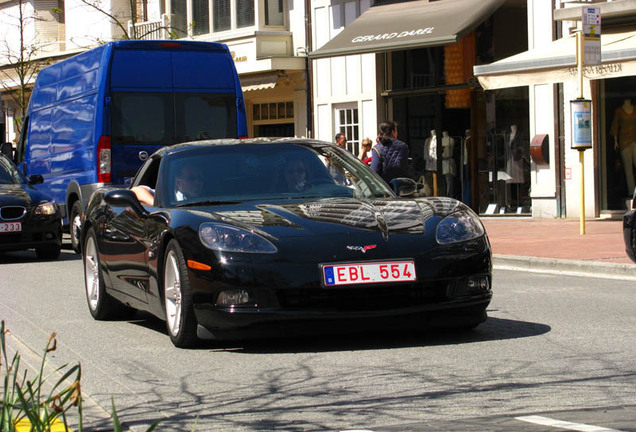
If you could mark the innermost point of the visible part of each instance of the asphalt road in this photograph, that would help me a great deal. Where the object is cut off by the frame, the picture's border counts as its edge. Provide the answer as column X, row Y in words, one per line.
column 559, row 348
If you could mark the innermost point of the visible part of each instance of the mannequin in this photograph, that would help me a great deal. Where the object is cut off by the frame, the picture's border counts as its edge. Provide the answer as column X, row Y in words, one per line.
column 430, row 152
column 448, row 163
column 623, row 130
column 467, row 143
column 514, row 156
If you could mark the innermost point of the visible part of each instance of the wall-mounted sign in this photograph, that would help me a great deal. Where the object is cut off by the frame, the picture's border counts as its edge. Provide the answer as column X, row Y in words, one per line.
column 581, row 110
column 238, row 59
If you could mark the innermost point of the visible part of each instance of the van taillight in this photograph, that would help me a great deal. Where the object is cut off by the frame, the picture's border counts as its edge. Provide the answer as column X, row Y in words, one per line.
column 104, row 160
column 170, row 45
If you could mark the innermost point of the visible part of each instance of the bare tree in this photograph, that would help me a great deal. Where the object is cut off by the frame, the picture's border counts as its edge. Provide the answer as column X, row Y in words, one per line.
column 120, row 20
column 20, row 64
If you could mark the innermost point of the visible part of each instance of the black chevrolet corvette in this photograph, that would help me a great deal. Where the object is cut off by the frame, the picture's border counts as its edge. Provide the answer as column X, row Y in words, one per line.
column 29, row 219
column 278, row 237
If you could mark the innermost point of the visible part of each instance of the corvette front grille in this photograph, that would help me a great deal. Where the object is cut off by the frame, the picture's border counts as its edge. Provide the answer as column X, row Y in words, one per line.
column 362, row 299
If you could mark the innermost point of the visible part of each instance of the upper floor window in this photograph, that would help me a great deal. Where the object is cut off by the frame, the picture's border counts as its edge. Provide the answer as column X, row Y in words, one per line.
column 197, row 17
column 274, row 13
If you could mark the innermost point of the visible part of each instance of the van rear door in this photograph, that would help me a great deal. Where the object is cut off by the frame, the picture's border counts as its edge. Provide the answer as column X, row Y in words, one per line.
column 166, row 93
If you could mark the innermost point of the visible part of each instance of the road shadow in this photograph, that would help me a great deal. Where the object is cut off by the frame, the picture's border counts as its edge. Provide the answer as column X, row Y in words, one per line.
column 493, row 329
column 28, row 256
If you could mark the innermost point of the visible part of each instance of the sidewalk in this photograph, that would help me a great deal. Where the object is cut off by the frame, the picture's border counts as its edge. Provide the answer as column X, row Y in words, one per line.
column 556, row 245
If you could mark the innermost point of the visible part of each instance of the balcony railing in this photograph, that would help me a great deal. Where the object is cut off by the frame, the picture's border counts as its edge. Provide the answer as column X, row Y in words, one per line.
column 151, row 30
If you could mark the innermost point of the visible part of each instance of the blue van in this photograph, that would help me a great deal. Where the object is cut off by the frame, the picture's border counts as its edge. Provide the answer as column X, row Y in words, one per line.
column 95, row 117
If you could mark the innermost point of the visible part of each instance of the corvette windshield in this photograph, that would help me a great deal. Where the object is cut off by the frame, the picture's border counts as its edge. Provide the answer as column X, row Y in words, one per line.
column 262, row 172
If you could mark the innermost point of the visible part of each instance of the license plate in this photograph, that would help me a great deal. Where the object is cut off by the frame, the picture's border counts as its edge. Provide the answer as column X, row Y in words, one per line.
column 368, row 272
column 10, row 227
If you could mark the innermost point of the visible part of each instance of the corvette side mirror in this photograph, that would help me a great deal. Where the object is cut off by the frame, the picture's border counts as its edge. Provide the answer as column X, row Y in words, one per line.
column 404, row 186
column 125, row 198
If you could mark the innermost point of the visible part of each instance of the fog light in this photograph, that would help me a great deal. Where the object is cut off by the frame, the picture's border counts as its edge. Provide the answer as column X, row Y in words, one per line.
column 232, row 297
column 478, row 284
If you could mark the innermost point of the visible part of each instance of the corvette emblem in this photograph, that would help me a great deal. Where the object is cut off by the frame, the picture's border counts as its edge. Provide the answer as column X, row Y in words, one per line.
column 362, row 249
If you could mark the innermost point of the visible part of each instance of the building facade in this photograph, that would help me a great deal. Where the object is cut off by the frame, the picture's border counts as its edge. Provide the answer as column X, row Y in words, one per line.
column 411, row 61
column 481, row 90
column 566, row 183
column 266, row 37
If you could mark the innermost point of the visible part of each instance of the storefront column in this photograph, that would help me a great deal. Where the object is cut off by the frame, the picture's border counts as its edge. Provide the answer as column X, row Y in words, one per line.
column 544, row 176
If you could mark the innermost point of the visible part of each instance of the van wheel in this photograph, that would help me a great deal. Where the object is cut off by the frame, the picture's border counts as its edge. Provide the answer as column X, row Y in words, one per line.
column 75, row 227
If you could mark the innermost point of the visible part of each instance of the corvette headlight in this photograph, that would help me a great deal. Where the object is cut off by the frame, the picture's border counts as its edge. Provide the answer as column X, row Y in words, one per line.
column 46, row 208
column 458, row 227
column 228, row 238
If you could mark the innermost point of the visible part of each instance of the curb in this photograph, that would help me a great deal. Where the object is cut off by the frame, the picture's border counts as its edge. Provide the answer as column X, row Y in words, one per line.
column 567, row 267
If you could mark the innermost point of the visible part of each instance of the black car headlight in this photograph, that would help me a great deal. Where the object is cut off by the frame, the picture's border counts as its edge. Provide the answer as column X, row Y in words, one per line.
column 458, row 227
column 229, row 238
column 46, row 208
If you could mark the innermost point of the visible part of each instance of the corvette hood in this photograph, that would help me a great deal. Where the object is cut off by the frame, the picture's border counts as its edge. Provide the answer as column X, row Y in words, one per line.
column 338, row 215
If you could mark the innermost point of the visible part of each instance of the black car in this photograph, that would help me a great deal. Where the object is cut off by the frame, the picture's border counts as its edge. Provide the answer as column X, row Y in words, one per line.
column 28, row 218
column 629, row 230
column 278, row 237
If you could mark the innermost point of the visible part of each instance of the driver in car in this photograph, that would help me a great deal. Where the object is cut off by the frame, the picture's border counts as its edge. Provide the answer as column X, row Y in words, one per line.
column 189, row 183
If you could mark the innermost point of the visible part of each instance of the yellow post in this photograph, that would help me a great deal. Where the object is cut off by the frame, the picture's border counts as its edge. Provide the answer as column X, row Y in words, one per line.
column 581, row 162
column 580, row 55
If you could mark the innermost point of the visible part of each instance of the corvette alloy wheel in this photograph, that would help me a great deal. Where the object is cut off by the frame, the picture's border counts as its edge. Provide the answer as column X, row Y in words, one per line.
column 180, row 320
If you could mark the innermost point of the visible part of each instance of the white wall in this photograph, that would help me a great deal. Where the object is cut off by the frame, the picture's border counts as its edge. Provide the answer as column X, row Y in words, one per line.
column 87, row 27
column 296, row 21
column 341, row 80
column 543, row 118
column 9, row 28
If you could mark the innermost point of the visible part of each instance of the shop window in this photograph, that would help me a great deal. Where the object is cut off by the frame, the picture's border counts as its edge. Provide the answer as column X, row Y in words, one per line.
column 273, row 111
column 274, row 119
column 347, row 123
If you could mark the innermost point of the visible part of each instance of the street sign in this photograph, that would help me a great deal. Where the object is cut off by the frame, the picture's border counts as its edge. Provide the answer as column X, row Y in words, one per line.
column 592, row 35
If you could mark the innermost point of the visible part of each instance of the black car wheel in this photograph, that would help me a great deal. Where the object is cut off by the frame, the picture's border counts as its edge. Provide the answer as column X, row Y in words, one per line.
column 180, row 319
column 100, row 304
column 48, row 252
column 75, row 226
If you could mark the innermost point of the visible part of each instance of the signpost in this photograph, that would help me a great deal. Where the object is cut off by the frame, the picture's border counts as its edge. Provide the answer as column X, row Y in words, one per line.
column 588, row 52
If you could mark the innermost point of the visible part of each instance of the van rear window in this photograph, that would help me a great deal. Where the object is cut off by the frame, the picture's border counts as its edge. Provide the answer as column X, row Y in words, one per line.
column 170, row 118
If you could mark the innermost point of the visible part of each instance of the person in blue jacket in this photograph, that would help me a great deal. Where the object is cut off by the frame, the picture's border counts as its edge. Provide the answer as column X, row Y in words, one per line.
column 390, row 155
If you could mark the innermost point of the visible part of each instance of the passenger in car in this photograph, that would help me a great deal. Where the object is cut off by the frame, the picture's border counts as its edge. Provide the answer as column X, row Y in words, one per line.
column 295, row 175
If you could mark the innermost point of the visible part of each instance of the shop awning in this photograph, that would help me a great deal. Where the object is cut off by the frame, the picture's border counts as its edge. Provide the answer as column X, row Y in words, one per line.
column 260, row 81
column 408, row 25
column 556, row 63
